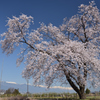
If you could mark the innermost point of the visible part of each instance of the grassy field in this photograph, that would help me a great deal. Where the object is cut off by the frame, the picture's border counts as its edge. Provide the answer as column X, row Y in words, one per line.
column 31, row 98
column 60, row 98
column 50, row 97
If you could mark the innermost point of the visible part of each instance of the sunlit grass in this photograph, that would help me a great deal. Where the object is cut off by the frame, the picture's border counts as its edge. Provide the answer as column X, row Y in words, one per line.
column 53, row 96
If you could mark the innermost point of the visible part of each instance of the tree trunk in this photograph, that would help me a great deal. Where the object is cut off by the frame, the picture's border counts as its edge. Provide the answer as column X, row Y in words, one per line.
column 81, row 96
column 79, row 90
column 81, row 93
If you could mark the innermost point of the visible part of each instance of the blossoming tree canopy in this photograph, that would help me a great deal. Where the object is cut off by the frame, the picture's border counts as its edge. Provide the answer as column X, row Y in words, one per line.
column 68, row 53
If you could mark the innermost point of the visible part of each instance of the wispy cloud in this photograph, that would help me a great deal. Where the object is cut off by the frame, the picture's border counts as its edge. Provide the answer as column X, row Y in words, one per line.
column 60, row 87
column 42, row 86
column 53, row 87
column 57, row 87
column 11, row 82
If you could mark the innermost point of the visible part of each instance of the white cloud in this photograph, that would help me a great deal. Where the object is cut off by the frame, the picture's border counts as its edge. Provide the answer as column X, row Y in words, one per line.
column 60, row 87
column 11, row 82
column 57, row 87
column 42, row 86
column 53, row 87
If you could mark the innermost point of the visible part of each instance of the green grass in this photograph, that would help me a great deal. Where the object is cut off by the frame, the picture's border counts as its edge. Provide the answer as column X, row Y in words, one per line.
column 93, row 97
column 39, row 97
column 60, row 98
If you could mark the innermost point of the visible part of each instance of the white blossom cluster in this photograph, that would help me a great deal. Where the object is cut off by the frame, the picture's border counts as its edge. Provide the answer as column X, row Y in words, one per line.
column 70, row 51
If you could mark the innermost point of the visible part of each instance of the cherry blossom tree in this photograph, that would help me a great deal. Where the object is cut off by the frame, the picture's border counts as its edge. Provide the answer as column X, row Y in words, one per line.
column 65, row 54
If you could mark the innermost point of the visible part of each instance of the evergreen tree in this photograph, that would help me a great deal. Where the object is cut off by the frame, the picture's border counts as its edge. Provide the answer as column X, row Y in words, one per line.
column 87, row 91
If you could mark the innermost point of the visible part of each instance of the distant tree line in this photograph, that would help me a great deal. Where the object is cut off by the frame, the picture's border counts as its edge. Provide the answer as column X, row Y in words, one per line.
column 12, row 91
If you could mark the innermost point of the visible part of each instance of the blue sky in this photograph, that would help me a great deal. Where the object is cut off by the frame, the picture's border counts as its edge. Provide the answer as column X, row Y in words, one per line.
column 47, row 11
